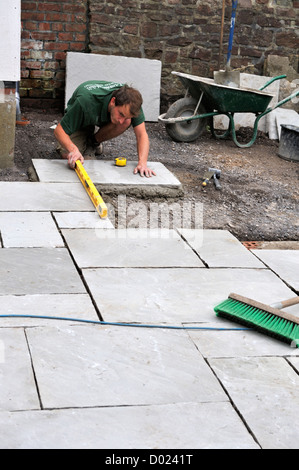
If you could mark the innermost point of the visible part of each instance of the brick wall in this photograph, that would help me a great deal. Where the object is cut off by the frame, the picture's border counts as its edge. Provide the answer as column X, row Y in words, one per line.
column 183, row 34
column 49, row 30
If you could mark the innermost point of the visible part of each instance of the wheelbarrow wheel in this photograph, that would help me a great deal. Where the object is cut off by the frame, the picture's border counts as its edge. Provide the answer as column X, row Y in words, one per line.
column 185, row 131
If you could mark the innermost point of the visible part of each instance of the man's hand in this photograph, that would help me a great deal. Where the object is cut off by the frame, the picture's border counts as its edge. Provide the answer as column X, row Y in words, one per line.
column 69, row 151
column 142, row 150
column 144, row 171
column 73, row 156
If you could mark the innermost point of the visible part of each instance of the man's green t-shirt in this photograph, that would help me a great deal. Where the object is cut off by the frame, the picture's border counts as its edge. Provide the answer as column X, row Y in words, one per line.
column 88, row 106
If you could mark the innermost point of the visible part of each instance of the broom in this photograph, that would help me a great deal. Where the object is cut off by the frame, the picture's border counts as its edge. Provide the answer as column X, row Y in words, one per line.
column 268, row 319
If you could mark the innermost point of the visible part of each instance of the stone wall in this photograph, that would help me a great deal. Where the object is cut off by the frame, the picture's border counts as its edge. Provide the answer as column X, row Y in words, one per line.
column 183, row 34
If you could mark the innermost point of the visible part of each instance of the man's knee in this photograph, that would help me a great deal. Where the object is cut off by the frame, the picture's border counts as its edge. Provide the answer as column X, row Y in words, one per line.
column 79, row 138
column 110, row 130
column 124, row 126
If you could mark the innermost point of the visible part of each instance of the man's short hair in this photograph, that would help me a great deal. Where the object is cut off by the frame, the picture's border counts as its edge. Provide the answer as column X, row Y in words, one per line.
column 131, row 96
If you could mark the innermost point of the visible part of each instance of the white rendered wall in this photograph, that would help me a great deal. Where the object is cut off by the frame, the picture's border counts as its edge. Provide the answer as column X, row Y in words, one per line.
column 10, row 40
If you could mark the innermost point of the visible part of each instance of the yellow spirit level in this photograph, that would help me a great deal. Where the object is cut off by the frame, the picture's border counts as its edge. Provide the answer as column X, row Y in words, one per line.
column 91, row 190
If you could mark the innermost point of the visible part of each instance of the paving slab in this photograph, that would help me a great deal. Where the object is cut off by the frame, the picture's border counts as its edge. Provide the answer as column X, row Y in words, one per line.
column 176, row 295
column 200, row 426
column 17, row 389
column 265, row 392
column 36, row 197
column 115, row 366
column 280, row 116
column 143, row 74
column 129, row 248
column 285, row 263
column 295, row 362
column 109, row 178
column 135, row 387
column 81, row 220
column 38, row 271
column 219, row 248
column 29, row 229
column 238, row 343
column 69, row 306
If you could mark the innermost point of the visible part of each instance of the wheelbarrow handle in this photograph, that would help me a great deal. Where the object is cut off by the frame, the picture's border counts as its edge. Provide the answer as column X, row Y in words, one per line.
column 271, row 81
column 288, row 98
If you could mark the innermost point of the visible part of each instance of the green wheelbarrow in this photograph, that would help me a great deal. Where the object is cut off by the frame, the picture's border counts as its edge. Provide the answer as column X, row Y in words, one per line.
column 187, row 118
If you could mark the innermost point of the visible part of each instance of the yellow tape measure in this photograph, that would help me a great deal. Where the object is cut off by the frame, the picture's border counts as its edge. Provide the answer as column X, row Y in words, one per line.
column 120, row 161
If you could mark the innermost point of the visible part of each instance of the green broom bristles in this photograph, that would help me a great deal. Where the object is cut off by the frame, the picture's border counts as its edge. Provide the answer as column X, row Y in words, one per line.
column 272, row 322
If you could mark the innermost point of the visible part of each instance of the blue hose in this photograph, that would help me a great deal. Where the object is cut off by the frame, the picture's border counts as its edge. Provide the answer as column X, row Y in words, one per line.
column 135, row 325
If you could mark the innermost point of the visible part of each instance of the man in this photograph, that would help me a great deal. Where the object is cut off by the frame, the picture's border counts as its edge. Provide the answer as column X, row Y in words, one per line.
column 111, row 107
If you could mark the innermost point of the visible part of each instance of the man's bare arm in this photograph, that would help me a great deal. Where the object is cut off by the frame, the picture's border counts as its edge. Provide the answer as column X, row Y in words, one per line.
column 143, row 146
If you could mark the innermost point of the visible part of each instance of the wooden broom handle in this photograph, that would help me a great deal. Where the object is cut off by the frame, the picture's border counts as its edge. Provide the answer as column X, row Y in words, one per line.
column 221, row 34
column 286, row 303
